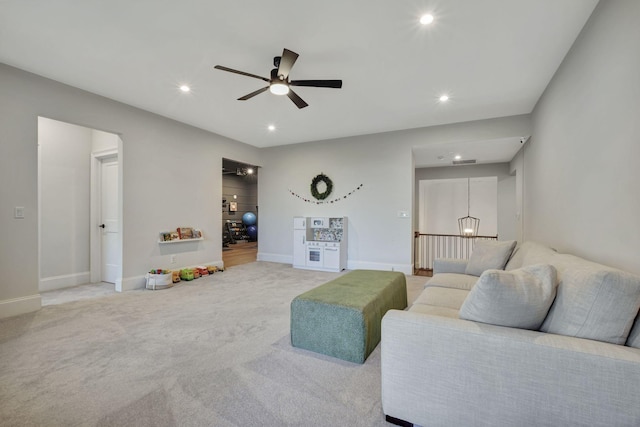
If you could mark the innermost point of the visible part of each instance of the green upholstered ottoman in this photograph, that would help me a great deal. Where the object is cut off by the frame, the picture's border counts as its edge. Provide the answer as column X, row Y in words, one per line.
column 342, row 317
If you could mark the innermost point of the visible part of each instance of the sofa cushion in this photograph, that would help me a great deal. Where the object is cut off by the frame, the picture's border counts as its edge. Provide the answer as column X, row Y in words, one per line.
column 593, row 301
column 434, row 310
column 452, row 280
column 634, row 335
column 518, row 298
column 529, row 253
column 442, row 297
column 488, row 255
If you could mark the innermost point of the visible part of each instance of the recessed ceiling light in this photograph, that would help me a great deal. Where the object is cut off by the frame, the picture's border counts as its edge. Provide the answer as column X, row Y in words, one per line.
column 458, row 157
column 185, row 88
column 426, row 19
column 444, row 98
column 271, row 128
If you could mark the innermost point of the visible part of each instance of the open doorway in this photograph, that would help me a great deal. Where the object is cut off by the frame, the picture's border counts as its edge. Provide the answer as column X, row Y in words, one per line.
column 79, row 190
column 239, row 212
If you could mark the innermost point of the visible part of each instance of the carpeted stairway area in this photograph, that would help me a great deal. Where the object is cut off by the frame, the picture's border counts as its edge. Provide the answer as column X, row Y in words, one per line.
column 212, row 352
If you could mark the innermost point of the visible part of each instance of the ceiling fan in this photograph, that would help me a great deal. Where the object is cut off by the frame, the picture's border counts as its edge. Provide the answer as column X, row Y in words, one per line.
column 279, row 83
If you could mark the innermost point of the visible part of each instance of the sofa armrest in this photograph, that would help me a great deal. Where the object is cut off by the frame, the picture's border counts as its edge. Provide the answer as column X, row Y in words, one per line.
column 441, row 371
column 449, row 265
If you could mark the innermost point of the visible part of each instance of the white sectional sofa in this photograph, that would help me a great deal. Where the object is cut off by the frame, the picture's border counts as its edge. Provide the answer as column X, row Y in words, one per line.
column 577, row 363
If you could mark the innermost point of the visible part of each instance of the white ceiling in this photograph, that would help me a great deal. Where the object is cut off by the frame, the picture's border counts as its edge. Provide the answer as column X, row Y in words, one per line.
column 483, row 151
column 493, row 57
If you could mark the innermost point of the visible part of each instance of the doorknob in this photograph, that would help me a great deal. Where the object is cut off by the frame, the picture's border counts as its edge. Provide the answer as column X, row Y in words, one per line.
column 101, row 226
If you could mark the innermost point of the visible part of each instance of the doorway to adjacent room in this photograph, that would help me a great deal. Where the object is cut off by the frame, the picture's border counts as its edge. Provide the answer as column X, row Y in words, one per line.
column 239, row 212
column 79, row 206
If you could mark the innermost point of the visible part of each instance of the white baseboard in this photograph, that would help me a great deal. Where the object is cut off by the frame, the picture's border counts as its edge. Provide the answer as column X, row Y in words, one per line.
column 366, row 265
column 351, row 265
column 130, row 283
column 16, row 306
column 279, row 258
column 140, row 282
column 65, row 281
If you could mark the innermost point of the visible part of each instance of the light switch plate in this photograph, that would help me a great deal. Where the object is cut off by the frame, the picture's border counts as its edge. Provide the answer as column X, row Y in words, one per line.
column 19, row 212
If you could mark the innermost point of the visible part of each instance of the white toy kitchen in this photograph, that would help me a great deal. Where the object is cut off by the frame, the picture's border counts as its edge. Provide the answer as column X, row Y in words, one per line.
column 320, row 243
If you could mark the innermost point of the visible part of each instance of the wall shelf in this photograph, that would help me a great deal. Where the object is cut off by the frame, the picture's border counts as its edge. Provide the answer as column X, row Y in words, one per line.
column 179, row 240
column 182, row 234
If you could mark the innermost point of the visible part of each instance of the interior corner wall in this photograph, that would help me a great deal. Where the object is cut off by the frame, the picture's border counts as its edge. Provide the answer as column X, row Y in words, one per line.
column 581, row 163
column 383, row 163
column 172, row 176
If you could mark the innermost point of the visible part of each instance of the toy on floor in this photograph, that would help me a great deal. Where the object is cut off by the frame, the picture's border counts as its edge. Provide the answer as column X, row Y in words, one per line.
column 175, row 276
column 158, row 279
column 186, row 274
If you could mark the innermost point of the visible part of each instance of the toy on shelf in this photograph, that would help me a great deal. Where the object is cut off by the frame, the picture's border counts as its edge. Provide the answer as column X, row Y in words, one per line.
column 181, row 234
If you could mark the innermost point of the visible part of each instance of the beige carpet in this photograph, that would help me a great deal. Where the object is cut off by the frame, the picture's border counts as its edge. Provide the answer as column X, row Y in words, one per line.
column 212, row 352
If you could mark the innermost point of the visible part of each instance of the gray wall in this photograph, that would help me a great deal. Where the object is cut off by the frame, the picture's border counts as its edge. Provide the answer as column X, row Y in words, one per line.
column 172, row 177
column 383, row 163
column 65, row 162
column 581, row 170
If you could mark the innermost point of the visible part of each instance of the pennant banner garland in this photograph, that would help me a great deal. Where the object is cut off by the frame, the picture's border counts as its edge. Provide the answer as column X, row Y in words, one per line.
column 324, row 202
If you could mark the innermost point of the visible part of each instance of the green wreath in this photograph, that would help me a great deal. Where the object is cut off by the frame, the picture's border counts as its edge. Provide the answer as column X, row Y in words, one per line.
column 314, row 187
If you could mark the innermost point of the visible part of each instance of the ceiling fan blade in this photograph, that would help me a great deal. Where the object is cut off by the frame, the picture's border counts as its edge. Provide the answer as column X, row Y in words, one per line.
column 287, row 60
column 337, row 84
column 296, row 99
column 231, row 70
column 252, row 94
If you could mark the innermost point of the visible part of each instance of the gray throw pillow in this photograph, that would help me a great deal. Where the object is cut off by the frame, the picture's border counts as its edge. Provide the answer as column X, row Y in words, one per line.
column 488, row 255
column 634, row 335
column 597, row 304
column 516, row 298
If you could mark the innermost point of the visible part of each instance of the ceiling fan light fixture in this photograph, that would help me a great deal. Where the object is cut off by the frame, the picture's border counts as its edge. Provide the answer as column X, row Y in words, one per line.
column 279, row 88
column 426, row 19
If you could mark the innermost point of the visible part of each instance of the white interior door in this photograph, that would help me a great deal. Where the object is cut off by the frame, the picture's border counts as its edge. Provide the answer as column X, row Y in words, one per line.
column 109, row 221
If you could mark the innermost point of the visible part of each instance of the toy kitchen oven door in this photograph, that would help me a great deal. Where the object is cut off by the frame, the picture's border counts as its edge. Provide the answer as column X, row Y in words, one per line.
column 314, row 255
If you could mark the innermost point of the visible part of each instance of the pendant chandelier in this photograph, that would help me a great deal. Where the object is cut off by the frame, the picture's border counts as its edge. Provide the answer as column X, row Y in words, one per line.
column 468, row 225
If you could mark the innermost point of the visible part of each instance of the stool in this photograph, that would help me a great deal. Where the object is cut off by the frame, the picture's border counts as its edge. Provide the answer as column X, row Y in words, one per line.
column 342, row 317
